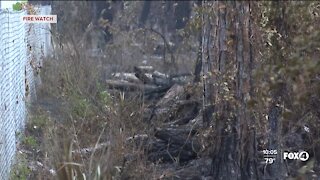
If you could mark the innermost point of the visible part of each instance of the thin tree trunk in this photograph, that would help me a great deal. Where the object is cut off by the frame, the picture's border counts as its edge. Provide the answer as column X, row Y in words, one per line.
column 198, row 66
column 145, row 13
column 249, row 145
column 225, row 154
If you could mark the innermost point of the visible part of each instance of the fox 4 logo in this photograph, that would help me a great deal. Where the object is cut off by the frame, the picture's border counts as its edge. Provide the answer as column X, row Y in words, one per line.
column 302, row 156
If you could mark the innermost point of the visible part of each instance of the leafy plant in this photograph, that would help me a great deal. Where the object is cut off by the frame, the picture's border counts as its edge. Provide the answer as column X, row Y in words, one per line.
column 20, row 170
column 81, row 107
column 30, row 141
column 39, row 121
column 17, row 6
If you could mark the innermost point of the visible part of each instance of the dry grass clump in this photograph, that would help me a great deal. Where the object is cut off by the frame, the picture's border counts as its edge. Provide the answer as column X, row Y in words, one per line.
column 85, row 137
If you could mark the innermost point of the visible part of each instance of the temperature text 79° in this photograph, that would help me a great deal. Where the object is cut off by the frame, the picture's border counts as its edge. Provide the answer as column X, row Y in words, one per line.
column 269, row 160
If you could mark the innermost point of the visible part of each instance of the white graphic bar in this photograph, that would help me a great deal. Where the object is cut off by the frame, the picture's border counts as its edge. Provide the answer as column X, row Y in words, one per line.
column 39, row 19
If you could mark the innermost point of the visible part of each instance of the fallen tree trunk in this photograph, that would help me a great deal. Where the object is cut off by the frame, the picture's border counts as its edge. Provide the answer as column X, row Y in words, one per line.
column 145, row 69
column 175, row 92
column 128, row 86
column 163, row 79
column 172, row 154
column 179, row 137
column 181, row 75
column 164, row 151
column 130, row 77
column 182, row 121
column 161, row 89
column 140, row 74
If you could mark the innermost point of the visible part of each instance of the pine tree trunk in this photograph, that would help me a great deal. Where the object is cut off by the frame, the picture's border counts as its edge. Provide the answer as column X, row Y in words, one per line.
column 234, row 149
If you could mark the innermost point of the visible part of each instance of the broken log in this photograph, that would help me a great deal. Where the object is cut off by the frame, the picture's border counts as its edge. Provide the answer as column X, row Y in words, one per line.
column 145, row 69
column 185, row 110
column 180, row 80
column 163, row 151
column 182, row 121
column 174, row 144
column 181, row 75
column 195, row 124
column 176, row 92
column 130, row 77
column 140, row 74
column 160, row 75
column 128, row 86
column 159, row 90
column 163, row 79
column 172, row 154
column 179, row 137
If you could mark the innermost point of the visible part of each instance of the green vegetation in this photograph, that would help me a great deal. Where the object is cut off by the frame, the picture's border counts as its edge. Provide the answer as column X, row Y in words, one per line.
column 30, row 142
column 20, row 171
column 38, row 121
column 17, row 6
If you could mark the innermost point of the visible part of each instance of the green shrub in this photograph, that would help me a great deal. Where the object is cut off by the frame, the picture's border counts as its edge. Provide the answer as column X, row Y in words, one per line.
column 20, row 170
column 30, row 141
column 81, row 107
column 17, row 6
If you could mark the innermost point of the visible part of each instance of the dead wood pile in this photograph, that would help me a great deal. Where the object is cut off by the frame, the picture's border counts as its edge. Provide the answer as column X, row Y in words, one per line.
column 175, row 104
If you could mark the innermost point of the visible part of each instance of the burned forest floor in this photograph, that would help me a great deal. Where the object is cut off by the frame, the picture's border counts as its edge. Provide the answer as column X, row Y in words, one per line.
column 113, row 117
column 140, row 124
